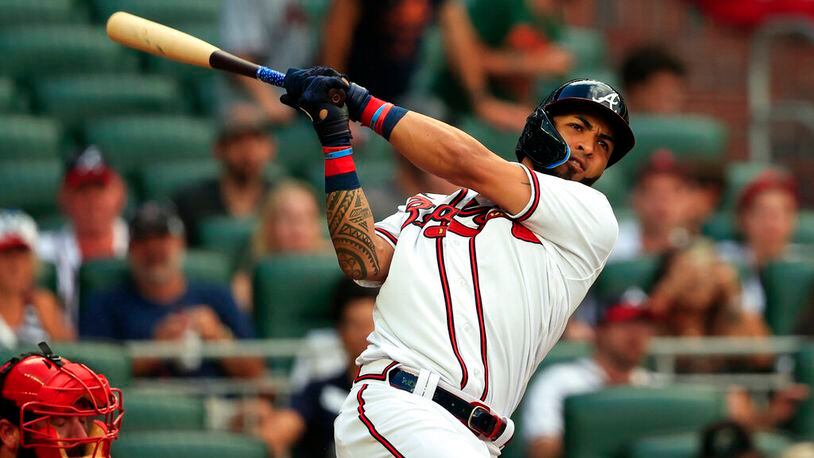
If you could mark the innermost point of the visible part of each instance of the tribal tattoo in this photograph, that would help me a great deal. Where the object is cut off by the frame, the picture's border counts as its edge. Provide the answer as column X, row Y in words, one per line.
column 350, row 223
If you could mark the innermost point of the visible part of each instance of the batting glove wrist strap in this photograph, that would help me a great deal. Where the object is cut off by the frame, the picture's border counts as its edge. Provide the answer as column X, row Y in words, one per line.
column 340, row 171
column 381, row 116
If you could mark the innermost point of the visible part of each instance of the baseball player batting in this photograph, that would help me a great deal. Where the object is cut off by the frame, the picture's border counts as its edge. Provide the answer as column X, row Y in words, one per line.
column 477, row 286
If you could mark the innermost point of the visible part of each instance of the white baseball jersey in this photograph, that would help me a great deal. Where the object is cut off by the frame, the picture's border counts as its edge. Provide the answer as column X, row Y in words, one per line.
column 480, row 296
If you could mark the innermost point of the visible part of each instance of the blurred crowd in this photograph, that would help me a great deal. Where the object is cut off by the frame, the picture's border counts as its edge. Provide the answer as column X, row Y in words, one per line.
column 700, row 285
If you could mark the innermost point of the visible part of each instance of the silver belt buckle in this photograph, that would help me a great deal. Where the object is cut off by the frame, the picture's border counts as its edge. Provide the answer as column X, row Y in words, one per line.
column 472, row 415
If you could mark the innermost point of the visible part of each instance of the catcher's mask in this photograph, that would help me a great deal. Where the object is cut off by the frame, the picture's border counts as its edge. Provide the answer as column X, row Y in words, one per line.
column 63, row 409
column 546, row 148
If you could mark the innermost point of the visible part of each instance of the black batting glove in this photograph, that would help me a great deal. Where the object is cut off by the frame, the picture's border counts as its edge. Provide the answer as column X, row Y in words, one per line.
column 330, row 121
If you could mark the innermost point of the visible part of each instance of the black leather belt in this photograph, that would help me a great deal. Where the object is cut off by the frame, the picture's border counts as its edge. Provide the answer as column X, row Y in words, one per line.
column 476, row 417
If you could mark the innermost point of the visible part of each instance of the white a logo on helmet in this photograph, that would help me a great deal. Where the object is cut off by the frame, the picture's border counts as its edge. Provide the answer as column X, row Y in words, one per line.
column 611, row 100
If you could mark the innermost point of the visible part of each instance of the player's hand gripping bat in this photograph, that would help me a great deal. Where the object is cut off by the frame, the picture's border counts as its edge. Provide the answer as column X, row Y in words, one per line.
column 148, row 36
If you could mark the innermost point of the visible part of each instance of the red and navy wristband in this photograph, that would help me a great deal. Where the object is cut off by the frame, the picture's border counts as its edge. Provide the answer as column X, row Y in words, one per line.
column 381, row 116
column 340, row 171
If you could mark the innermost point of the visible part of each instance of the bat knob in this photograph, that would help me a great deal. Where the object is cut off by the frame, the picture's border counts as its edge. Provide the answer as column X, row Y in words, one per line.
column 337, row 97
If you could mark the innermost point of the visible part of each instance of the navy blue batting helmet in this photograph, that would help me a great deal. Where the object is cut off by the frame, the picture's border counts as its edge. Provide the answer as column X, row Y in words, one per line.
column 546, row 148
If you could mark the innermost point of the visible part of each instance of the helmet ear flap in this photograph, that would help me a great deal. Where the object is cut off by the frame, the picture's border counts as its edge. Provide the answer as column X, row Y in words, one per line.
column 542, row 143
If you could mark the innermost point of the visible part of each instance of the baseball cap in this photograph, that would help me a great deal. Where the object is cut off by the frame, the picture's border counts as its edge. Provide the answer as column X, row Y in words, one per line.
column 662, row 161
column 88, row 166
column 17, row 230
column 623, row 312
column 767, row 180
column 153, row 220
column 238, row 126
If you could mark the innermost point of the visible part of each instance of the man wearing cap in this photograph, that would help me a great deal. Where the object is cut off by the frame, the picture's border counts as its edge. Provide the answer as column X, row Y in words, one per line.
column 27, row 314
column 92, row 197
column 622, row 337
column 244, row 148
column 160, row 303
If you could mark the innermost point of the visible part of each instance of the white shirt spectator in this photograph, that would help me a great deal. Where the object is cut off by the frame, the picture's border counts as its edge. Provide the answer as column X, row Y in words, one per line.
column 543, row 413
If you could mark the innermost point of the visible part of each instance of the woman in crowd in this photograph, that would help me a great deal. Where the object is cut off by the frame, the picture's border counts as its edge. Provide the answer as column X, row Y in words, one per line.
column 289, row 223
column 28, row 314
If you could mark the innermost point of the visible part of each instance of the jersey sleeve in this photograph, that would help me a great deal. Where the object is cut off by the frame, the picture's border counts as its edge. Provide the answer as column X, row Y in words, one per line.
column 390, row 227
column 575, row 218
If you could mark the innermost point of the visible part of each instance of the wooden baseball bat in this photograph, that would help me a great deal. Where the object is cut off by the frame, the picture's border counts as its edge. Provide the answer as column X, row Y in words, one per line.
column 148, row 36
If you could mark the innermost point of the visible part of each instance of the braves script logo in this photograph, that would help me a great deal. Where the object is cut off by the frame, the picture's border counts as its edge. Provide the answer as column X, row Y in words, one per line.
column 611, row 100
column 448, row 216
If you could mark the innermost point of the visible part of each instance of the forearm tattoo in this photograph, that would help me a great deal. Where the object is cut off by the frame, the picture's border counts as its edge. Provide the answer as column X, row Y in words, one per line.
column 350, row 223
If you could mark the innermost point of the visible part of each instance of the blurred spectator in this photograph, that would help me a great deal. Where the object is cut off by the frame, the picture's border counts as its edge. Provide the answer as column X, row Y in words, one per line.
column 377, row 42
column 622, row 337
column 660, row 198
column 92, row 197
column 244, row 149
column 289, row 222
column 518, row 45
column 706, row 186
column 275, row 33
column 28, row 314
column 654, row 82
column 767, row 218
column 308, row 423
column 697, row 294
column 727, row 439
column 159, row 303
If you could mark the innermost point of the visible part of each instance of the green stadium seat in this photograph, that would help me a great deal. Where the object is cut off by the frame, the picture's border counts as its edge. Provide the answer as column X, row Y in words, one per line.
column 499, row 142
column 161, row 411
column 738, row 174
column 46, row 50
column 31, row 187
column 135, row 142
column 47, row 276
column 106, row 274
column 618, row 277
column 688, row 445
column 74, row 100
column 723, row 226
column 17, row 12
column 10, row 100
column 788, row 286
column 162, row 11
column 608, row 422
column 187, row 444
column 695, row 137
column 28, row 138
column 614, row 185
column 803, row 422
column 228, row 236
column 161, row 183
column 292, row 294
column 296, row 143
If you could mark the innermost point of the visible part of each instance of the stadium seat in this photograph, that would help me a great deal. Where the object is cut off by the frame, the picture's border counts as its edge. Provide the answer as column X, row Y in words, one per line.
column 106, row 274
column 161, row 183
column 788, row 286
column 228, row 236
column 738, row 174
column 614, row 185
column 28, row 138
column 695, row 137
column 31, row 187
column 75, row 100
column 47, row 50
column 608, row 422
column 292, row 294
column 187, row 444
column 47, row 276
column 161, row 411
column 723, row 226
column 618, row 277
column 499, row 142
column 803, row 422
column 134, row 142
column 163, row 11
column 296, row 144
column 109, row 359
column 30, row 12
column 688, row 445
column 9, row 97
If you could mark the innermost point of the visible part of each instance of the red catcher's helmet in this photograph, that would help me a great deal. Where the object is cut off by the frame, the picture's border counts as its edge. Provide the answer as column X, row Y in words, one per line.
column 60, row 405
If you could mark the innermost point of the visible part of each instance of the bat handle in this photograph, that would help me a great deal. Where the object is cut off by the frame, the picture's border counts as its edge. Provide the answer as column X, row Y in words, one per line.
column 271, row 76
